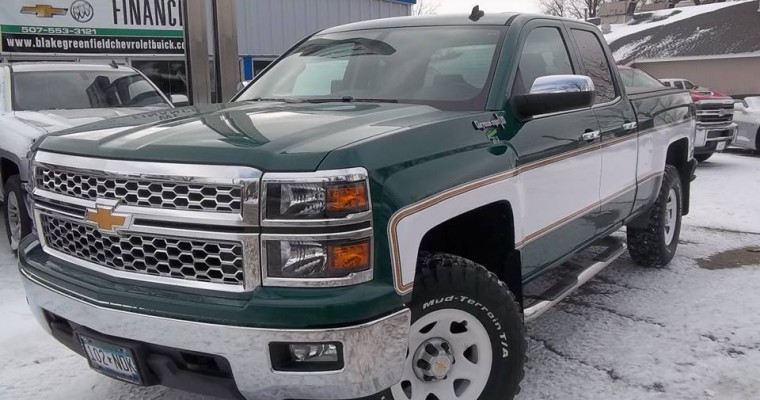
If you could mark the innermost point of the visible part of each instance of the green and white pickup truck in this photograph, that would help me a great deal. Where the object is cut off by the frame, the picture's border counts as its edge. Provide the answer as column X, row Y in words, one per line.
column 364, row 219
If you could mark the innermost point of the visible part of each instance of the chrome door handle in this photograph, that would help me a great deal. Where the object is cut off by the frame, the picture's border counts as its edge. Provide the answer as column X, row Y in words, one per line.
column 629, row 126
column 591, row 136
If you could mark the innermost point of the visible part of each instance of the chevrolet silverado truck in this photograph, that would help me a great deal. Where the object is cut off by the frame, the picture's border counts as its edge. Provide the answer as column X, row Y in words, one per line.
column 39, row 98
column 716, row 129
column 365, row 220
column 715, row 113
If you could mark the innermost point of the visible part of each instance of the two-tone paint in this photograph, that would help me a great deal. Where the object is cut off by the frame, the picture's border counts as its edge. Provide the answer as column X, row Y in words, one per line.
column 425, row 167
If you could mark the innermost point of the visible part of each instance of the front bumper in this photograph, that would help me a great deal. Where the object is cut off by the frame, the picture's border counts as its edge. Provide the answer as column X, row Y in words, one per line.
column 374, row 352
column 707, row 137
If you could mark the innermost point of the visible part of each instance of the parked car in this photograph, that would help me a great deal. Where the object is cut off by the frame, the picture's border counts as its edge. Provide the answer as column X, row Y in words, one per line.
column 747, row 117
column 715, row 113
column 681, row 83
column 364, row 218
column 39, row 98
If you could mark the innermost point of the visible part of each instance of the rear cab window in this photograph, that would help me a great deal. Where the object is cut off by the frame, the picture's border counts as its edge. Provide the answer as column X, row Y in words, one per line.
column 597, row 67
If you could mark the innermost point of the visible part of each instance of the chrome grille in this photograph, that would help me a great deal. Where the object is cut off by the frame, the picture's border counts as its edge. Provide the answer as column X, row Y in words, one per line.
column 711, row 113
column 203, row 261
column 142, row 193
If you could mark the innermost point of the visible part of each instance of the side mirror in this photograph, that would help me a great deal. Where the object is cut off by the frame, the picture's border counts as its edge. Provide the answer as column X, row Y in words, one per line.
column 179, row 100
column 555, row 93
column 740, row 103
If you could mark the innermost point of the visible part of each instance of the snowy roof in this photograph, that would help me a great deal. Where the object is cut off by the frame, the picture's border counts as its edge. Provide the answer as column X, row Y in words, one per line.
column 707, row 30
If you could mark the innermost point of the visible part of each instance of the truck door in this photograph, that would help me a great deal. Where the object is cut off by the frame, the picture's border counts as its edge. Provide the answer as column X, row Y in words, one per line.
column 559, row 166
column 617, row 122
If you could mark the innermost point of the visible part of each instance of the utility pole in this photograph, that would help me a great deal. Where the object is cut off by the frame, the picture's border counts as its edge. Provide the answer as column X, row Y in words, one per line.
column 226, row 71
column 226, row 57
column 196, row 52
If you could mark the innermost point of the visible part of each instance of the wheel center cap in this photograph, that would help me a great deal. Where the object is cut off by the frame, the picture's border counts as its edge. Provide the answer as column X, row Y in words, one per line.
column 433, row 360
column 441, row 366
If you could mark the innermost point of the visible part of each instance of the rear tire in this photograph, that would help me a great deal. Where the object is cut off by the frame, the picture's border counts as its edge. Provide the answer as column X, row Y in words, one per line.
column 656, row 244
column 703, row 157
column 17, row 222
column 468, row 321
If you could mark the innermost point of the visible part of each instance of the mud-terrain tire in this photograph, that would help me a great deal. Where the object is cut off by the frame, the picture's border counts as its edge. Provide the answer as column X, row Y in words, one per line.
column 656, row 244
column 703, row 157
column 16, row 219
column 481, row 326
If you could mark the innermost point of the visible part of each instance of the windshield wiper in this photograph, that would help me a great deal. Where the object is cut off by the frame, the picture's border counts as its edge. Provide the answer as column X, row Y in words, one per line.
column 347, row 99
column 284, row 100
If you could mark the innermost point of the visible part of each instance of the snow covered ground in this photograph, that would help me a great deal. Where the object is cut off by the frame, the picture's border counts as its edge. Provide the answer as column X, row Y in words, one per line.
column 682, row 332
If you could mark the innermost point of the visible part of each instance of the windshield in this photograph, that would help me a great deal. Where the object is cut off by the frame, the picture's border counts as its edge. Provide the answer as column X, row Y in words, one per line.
column 638, row 78
column 69, row 90
column 445, row 67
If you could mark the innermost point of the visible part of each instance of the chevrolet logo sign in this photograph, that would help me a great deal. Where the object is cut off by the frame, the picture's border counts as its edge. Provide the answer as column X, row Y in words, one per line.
column 43, row 10
column 106, row 220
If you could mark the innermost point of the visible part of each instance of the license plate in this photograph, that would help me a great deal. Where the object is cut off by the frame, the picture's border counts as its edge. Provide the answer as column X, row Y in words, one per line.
column 721, row 146
column 111, row 360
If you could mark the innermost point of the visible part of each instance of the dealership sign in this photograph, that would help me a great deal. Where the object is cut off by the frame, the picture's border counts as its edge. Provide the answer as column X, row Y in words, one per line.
column 92, row 26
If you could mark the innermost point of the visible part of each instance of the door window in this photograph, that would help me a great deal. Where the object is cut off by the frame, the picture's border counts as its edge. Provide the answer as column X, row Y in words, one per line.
column 678, row 84
column 688, row 85
column 544, row 53
column 595, row 61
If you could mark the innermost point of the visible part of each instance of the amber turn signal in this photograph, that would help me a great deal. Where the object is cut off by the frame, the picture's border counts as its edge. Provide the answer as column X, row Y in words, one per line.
column 349, row 257
column 347, row 198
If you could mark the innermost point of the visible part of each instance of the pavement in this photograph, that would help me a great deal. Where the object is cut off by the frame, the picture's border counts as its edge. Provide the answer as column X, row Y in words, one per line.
column 688, row 331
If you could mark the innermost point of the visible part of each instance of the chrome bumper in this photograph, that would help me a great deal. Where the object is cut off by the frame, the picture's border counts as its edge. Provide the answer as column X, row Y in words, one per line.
column 702, row 134
column 374, row 352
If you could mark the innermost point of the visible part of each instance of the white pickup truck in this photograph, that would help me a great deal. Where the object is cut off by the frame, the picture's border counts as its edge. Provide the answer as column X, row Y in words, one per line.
column 40, row 98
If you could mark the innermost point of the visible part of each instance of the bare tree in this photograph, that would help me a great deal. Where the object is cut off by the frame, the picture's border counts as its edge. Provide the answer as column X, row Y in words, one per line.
column 572, row 8
column 425, row 7
column 584, row 8
column 557, row 8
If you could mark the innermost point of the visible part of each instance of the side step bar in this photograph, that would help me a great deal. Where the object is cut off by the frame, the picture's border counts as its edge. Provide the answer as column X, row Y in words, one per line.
column 614, row 248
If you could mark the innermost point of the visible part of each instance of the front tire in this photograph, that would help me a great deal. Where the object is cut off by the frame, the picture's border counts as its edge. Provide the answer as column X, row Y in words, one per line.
column 17, row 222
column 467, row 340
column 656, row 244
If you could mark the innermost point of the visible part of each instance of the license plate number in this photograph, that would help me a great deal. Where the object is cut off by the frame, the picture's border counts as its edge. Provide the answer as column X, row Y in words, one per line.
column 721, row 146
column 111, row 360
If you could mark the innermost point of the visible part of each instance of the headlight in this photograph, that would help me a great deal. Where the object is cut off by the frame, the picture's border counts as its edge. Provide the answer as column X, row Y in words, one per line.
column 314, row 259
column 329, row 215
column 323, row 195
column 316, row 200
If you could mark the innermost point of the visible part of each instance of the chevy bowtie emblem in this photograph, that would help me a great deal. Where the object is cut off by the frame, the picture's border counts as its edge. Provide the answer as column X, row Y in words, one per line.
column 107, row 220
column 43, row 10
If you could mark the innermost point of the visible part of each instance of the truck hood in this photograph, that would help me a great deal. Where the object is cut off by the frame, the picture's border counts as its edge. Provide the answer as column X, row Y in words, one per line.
column 268, row 136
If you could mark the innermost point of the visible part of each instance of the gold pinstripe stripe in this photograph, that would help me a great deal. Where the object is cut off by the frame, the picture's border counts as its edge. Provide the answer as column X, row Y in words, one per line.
column 478, row 183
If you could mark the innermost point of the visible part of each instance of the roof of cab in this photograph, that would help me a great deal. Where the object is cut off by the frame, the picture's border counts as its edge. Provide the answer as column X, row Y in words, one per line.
column 426, row 20
column 62, row 66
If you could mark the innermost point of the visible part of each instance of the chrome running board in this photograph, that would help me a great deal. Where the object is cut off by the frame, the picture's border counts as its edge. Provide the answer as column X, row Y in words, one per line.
column 612, row 248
